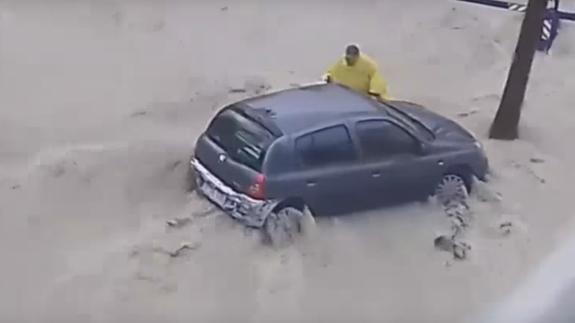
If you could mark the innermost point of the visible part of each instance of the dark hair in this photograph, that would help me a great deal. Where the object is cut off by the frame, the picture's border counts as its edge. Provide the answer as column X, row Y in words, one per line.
column 352, row 50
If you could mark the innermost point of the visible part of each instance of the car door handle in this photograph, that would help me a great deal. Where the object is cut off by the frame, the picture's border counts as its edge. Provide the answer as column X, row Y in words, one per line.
column 310, row 183
column 375, row 174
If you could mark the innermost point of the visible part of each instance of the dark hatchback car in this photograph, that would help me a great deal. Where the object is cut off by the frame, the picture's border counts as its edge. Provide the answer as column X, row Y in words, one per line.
column 331, row 150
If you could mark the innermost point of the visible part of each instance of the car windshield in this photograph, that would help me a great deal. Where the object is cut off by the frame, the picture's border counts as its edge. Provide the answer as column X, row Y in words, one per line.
column 244, row 140
column 411, row 122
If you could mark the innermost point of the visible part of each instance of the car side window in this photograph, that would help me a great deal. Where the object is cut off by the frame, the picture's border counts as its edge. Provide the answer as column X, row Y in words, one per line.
column 328, row 146
column 380, row 139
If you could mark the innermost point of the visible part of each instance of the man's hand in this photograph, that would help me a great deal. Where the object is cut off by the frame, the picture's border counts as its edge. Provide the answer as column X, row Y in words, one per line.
column 375, row 96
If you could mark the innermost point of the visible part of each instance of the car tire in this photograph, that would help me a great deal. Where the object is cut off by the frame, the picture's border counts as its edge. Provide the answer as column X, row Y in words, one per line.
column 284, row 225
column 452, row 188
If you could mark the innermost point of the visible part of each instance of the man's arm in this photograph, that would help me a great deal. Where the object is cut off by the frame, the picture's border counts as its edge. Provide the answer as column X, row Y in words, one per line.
column 378, row 86
column 328, row 76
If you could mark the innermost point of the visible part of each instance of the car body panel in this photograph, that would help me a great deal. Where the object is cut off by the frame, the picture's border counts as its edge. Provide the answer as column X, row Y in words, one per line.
column 332, row 190
column 442, row 146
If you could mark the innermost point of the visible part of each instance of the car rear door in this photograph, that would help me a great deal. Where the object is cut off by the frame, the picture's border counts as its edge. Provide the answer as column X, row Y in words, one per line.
column 399, row 169
column 329, row 172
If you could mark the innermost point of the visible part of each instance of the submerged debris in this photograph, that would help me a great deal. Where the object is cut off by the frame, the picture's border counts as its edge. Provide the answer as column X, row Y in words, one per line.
column 179, row 222
column 203, row 213
column 536, row 160
column 485, row 193
column 253, row 86
column 530, row 171
column 460, row 250
column 449, row 244
column 467, row 114
column 184, row 246
column 257, row 86
column 443, row 243
column 505, row 227
column 138, row 114
column 139, row 251
column 458, row 213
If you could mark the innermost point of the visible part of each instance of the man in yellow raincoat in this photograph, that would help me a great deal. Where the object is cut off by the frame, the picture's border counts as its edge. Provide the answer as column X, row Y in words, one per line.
column 358, row 72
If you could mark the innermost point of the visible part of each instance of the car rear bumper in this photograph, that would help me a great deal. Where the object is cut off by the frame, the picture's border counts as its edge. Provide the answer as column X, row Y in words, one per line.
column 239, row 206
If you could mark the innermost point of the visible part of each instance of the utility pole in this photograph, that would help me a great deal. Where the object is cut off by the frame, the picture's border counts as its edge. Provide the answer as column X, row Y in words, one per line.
column 505, row 124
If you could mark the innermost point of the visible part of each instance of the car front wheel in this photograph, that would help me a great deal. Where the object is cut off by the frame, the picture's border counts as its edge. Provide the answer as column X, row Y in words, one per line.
column 451, row 188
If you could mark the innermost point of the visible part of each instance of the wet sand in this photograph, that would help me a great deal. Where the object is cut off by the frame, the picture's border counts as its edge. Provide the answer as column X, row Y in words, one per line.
column 100, row 104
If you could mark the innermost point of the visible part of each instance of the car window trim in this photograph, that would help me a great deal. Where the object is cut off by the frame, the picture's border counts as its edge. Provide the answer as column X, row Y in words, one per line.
column 417, row 140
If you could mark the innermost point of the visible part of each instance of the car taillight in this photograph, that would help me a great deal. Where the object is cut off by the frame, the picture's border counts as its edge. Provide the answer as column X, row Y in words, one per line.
column 256, row 190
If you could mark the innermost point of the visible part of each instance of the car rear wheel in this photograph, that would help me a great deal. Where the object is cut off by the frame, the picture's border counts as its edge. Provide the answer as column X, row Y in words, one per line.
column 284, row 225
column 452, row 188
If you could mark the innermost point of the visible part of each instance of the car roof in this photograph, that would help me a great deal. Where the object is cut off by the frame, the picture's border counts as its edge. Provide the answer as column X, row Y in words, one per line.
column 297, row 109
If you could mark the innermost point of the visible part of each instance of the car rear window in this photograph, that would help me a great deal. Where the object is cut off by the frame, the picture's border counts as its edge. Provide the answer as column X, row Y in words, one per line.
column 243, row 139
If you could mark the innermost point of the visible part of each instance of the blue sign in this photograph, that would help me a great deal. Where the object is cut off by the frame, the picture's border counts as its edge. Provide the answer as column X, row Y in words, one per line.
column 551, row 21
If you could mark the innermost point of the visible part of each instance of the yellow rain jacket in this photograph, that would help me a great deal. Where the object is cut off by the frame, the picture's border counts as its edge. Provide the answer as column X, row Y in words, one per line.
column 362, row 77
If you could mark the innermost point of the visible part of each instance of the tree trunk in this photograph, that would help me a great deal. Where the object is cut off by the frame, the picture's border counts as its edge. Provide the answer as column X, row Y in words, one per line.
column 506, row 120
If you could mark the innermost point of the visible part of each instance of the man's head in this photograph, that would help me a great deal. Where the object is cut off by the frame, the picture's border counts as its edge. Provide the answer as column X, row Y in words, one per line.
column 351, row 54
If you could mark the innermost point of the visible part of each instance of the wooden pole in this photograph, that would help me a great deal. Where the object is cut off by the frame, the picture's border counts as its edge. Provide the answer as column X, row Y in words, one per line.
column 505, row 124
